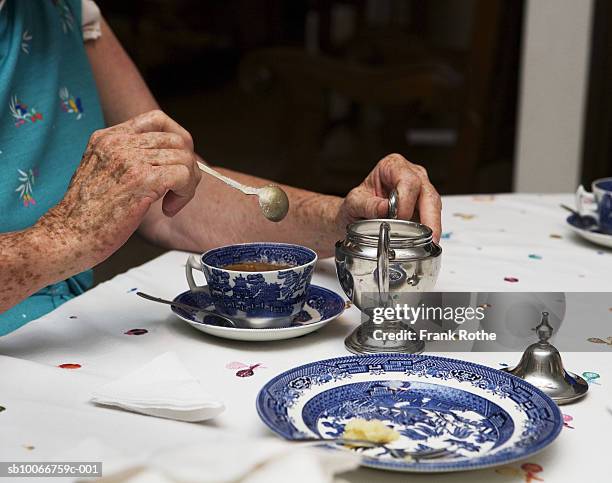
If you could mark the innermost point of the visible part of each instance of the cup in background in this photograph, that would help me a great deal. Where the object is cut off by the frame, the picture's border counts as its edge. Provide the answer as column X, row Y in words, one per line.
column 597, row 203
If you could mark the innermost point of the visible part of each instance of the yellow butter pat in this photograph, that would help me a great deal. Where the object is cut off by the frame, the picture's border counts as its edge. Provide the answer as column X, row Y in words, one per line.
column 374, row 430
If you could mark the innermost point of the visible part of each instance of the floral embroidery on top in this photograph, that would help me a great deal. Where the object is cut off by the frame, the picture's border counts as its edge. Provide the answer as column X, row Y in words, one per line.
column 245, row 370
column 591, row 377
column 71, row 104
column 597, row 340
column 528, row 471
column 25, row 42
column 26, row 187
column 566, row 420
column 65, row 14
column 22, row 113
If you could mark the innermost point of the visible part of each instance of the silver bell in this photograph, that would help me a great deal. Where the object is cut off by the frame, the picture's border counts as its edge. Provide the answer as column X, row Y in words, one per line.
column 541, row 365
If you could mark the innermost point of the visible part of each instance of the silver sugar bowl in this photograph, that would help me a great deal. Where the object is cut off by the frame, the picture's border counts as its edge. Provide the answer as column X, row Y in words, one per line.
column 381, row 261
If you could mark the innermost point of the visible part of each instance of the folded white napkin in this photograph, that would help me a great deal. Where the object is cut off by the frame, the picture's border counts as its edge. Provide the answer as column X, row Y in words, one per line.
column 220, row 458
column 162, row 388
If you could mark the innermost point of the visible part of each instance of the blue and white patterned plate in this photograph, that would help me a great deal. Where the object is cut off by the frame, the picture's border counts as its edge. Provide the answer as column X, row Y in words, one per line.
column 593, row 235
column 482, row 416
column 322, row 306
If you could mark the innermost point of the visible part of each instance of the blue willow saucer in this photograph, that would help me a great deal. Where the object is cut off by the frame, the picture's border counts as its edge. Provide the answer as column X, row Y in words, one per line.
column 321, row 305
column 579, row 222
column 481, row 416
column 590, row 233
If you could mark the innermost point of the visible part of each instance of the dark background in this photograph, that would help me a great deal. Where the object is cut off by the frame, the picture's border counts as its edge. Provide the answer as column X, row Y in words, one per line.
column 272, row 86
column 314, row 92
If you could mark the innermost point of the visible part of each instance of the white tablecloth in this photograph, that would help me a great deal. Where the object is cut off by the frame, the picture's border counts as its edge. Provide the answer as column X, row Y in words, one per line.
column 488, row 242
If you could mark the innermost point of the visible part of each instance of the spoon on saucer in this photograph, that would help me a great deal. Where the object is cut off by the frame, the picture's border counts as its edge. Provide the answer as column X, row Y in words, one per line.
column 273, row 200
column 585, row 222
column 190, row 308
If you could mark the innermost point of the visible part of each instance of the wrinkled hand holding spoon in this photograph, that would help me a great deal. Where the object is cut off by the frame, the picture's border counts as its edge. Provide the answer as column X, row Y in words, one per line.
column 273, row 200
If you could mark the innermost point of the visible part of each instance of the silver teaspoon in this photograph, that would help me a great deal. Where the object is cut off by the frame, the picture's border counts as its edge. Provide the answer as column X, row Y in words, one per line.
column 273, row 200
column 180, row 305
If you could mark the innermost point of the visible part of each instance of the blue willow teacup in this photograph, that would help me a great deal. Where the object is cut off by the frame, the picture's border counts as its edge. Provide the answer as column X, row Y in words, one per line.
column 256, row 299
column 597, row 204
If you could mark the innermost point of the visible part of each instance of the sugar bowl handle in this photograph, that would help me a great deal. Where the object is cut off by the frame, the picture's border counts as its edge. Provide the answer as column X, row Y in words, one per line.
column 393, row 205
column 382, row 263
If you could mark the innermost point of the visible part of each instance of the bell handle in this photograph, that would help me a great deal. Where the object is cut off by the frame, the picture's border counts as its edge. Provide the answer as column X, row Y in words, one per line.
column 544, row 329
column 382, row 263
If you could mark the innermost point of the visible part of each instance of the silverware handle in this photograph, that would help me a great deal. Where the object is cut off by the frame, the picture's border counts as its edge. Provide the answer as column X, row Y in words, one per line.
column 350, row 442
column 180, row 305
column 247, row 190
column 382, row 263
column 167, row 302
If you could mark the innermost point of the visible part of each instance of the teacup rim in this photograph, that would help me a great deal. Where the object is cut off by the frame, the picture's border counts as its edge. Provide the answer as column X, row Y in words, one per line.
column 295, row 245
column 600, row 180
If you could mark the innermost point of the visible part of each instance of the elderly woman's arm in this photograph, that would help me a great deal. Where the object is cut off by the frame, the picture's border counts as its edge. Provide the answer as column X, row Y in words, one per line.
column 124, row 170
column 31, row 259
column 220, row 215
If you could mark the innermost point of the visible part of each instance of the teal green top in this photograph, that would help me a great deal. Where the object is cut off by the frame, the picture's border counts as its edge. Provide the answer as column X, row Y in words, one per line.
column 49, row 107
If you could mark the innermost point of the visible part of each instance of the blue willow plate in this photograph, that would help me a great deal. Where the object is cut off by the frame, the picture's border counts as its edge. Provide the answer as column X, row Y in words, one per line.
column 321, row 307
column 482, row 416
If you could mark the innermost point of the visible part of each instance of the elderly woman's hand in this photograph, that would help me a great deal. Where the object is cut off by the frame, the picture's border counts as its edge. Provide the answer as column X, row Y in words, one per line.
column 417, row 196
column 124, row 170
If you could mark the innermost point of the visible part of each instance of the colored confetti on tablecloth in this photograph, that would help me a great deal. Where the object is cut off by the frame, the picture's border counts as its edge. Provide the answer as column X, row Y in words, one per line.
column 132, row 290
column 29, row 447
column 464, row 216
column 556, row 236
column 533, row 256
column 446, row 235
column 483, row 198
column 566, row 420
column 597, row 340
column 136, row 332
column 70, row 365
column 511, row 279
column 527, row 471
column 244, row 370
column 73, row 317
column 591, row 377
